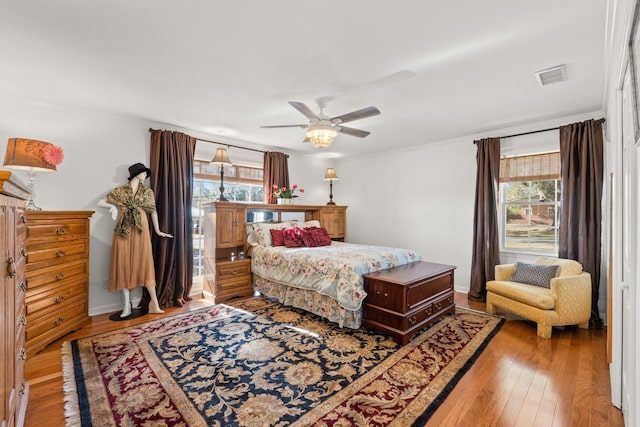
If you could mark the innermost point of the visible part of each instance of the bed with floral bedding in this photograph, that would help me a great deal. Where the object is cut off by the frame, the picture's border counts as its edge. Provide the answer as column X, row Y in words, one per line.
column 324, row 280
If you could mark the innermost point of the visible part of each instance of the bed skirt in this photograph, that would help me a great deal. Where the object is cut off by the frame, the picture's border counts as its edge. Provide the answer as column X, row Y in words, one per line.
column 308, row 300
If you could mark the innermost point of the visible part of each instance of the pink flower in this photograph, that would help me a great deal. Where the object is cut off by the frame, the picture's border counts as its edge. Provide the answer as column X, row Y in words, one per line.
column 53, row 155
column 295, row 186
column 302, row 190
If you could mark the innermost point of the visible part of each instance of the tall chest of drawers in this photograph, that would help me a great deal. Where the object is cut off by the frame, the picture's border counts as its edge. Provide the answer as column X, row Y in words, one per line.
column 13, row 388
column 57, row 275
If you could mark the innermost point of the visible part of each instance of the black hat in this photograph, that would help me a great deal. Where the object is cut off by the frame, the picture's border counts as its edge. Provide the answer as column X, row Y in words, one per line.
column 137, row 169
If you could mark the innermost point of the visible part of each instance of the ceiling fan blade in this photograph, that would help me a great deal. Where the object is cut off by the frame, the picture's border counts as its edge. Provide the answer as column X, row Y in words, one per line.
column 285, row 126
column 351, row 131
column 307, row 139
column 356, row 115
column 300, row 106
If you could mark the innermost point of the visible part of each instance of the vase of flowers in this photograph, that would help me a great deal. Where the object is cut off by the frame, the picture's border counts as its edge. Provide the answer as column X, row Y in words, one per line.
column 286, row 195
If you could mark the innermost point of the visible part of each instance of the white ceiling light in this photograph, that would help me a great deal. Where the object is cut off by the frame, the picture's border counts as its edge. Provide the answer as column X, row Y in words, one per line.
column 321, row 135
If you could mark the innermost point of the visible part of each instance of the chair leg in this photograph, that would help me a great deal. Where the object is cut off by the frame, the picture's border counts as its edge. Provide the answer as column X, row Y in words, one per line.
column 544, row 331
column 491, row 309
column 584, row 325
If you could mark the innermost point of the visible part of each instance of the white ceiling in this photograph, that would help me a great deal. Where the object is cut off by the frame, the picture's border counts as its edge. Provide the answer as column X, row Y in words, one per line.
column 437, row 70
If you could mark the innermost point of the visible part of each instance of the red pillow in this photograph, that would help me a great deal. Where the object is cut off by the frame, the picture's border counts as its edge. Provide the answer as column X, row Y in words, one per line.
column 319, row 235
column 277, row 238
column 293, row 237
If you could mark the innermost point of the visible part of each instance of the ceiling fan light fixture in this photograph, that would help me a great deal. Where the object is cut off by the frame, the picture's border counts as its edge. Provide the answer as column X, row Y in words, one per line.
column 321, row 136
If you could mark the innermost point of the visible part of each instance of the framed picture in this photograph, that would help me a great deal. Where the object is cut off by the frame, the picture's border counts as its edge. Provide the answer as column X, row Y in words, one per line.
column 634, row 61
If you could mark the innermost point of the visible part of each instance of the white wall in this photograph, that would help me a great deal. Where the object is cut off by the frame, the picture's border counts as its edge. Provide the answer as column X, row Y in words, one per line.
column 98, row 149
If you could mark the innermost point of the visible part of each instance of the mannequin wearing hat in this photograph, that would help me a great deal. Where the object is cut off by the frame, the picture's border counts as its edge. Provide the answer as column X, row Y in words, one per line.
column 131, row 255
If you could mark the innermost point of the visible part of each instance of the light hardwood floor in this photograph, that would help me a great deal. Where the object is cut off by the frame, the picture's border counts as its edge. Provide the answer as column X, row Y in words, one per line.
column 519, row 380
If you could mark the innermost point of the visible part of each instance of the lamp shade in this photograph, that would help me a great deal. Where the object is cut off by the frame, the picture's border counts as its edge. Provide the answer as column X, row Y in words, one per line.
column 221, row 158
column 28, row 154
column 321, row 136
column 330, row 175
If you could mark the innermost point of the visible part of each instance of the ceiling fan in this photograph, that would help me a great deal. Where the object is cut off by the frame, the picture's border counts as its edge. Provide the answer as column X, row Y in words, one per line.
column 321, row 128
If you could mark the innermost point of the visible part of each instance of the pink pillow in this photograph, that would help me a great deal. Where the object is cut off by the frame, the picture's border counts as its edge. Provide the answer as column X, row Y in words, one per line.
column 277, row 238
column 293, row 237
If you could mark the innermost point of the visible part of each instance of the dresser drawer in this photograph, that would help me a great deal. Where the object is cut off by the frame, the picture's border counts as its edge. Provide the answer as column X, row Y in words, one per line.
column 230, row 269
column 55, row 295
column 444, row 303
column 48, row 231
column 232, row 288
column 43, row 255
column 57, row 273
column 56, row 322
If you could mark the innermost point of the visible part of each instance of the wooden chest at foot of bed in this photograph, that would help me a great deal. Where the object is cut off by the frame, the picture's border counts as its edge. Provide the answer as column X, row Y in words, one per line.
column 404, row 299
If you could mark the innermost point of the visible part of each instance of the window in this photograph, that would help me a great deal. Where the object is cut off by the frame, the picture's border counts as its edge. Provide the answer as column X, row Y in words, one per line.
column 530, row 194
column 241, row 184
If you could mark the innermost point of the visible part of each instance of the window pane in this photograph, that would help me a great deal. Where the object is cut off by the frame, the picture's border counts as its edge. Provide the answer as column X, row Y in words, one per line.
column 529, row 215
column 246, row 186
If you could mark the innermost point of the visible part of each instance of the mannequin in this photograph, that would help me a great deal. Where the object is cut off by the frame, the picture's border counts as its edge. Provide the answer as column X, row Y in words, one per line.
column 131, row 253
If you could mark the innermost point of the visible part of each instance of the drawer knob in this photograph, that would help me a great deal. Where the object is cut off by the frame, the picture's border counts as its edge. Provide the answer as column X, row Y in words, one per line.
column 22, row 320
column 59, row 299
column 385, row 294
column 61, row 230
column 235, row 271
column 60, row 253
column 23, row 287
column 60, row 276
column 23, row 218
column 22, row 355
column 59, row 321
column 438, row 305
column 428, row 310
column 412, row 320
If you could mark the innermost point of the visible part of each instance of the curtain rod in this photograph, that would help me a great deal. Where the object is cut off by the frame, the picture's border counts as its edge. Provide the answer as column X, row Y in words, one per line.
column 538, row 131
column 225, row 144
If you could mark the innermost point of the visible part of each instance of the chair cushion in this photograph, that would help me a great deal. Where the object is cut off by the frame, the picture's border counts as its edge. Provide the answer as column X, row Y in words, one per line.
column 568, row 267
column 534, row 274
column 531, row 295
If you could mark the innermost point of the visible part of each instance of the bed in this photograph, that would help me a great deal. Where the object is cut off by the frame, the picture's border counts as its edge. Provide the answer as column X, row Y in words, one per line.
column 325, row 280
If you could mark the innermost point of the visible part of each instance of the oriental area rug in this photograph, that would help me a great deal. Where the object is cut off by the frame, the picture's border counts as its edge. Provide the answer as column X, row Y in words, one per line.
column 258, row 363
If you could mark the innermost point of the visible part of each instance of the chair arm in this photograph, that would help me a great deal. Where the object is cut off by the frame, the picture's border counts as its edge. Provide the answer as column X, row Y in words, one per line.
column 572, row 295
column 505, row 271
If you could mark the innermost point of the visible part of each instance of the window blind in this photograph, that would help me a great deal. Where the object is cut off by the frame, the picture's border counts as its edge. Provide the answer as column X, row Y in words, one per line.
column 535, row 167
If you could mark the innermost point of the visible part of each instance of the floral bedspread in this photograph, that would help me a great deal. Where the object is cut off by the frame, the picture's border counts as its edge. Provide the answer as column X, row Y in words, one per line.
column 335, row 271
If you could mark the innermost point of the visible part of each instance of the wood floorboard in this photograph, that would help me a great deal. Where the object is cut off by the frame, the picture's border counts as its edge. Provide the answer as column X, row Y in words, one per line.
column 520, row 379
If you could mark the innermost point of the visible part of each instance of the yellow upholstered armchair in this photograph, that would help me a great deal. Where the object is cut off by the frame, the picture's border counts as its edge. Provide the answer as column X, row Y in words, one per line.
column 566, row 300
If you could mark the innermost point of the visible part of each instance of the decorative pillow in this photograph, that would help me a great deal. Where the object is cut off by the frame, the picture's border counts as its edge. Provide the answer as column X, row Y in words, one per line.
column 262, row 230
column 535, row 274
column 316, row 236
column 293, row 237
column 277, row 238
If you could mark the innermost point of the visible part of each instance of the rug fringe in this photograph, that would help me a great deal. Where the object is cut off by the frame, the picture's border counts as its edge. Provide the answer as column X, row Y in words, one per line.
column 71, row 405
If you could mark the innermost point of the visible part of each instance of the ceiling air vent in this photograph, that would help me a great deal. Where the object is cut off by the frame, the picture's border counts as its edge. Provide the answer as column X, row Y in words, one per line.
column 552, row 75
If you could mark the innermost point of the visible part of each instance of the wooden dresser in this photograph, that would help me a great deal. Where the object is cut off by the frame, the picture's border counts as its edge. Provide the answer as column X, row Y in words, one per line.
column 57, row 275
column 13, row 388
column 404, row 299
